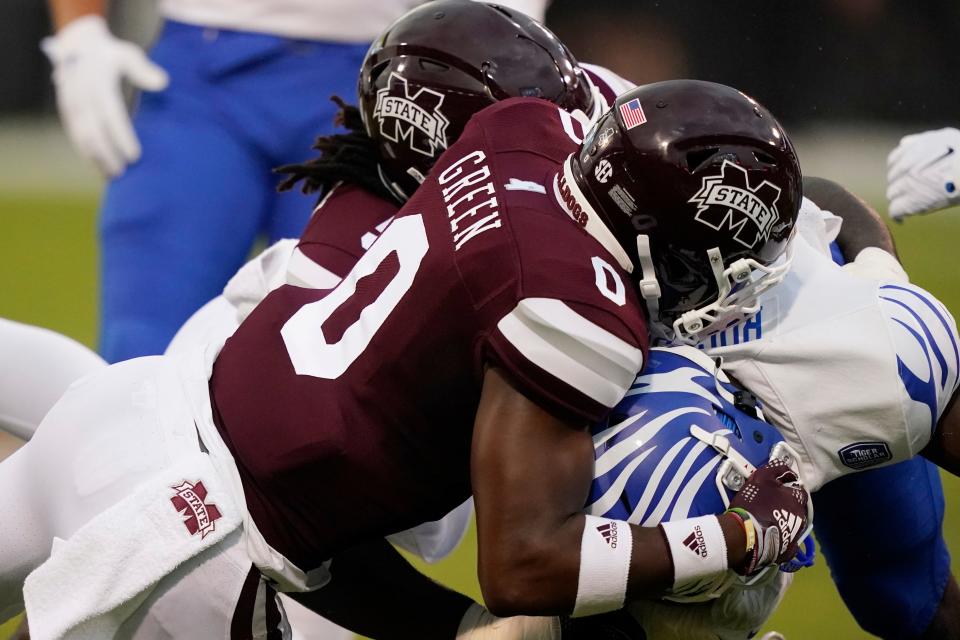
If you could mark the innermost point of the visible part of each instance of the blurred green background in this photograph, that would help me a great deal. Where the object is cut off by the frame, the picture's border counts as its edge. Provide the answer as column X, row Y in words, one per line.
column 49, row 279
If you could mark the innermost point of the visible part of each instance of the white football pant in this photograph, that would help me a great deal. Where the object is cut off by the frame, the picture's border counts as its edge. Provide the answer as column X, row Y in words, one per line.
column 106, row 436
column 36, row 367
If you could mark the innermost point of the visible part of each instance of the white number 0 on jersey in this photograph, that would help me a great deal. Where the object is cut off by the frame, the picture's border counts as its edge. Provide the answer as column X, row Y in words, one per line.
column 309, row 350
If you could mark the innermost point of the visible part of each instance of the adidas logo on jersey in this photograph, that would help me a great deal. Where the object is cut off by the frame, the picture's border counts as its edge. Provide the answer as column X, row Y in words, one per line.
column 696, row 543
column 789, row 525
column 609, row 533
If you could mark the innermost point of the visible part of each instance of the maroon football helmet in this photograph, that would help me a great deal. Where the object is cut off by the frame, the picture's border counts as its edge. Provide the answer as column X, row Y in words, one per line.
column 442, row 62
column 696, row 188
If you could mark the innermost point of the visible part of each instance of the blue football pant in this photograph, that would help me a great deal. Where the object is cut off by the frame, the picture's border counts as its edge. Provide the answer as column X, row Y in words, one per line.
column 881, row 532
column 180, row 222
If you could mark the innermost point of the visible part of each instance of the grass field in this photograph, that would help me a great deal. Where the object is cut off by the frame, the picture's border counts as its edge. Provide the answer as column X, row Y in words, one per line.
column 49, row 279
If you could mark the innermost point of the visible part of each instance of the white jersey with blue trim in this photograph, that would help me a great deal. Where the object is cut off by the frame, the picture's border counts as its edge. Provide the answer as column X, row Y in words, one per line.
column 855, row 371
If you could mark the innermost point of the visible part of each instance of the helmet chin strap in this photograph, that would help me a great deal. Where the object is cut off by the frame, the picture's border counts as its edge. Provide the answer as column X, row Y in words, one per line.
column 650, row 289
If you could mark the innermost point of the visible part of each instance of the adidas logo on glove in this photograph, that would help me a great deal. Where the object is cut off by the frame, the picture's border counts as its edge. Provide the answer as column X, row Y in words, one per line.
column 789, row 526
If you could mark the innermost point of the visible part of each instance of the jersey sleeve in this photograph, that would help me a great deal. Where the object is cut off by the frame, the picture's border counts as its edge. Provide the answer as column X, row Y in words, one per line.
column 925, row 344
column 575, row 360
column 342, row 227
column 258, row 277
column 557, row 313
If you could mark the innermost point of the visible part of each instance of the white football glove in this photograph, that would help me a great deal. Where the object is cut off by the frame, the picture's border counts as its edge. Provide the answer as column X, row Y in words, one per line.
column 89, row 64
column 923, row 173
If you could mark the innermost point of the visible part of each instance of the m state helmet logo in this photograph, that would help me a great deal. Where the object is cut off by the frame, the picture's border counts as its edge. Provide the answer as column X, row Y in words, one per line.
column 415, row 118
column 189, row 501
column 728, row 200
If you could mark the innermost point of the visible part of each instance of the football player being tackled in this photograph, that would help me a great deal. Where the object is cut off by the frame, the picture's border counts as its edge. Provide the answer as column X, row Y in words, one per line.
column 470, row 347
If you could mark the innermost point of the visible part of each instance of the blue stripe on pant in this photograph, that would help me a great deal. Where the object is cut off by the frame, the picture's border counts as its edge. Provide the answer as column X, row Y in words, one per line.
column 178, row 223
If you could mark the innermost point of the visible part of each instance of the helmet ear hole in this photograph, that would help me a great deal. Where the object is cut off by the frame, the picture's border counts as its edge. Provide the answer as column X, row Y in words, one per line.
column 697, row 157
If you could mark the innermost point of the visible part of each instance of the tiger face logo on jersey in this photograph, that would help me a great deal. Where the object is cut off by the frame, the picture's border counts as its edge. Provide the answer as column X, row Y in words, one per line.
column 415, row 118
column 728, row 201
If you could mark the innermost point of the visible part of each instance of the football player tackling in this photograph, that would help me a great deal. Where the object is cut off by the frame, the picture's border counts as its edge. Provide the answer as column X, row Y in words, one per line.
column 532, row 185
column 534, row 332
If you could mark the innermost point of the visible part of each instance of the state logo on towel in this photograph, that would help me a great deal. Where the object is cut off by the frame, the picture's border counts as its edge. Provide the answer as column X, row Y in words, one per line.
column 189, row 501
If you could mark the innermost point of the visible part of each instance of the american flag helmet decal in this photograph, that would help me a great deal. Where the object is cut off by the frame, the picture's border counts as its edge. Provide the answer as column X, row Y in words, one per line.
column 632, row 114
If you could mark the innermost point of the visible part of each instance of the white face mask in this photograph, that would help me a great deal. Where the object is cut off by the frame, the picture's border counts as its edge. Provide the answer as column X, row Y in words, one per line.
column 740, row 286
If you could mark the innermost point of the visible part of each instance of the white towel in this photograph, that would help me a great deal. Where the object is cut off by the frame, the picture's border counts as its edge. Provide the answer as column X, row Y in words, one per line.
column 101, row 574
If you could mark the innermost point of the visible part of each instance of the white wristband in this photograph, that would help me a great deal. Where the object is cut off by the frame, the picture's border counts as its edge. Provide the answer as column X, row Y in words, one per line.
column 605, row 550
column 697, row 547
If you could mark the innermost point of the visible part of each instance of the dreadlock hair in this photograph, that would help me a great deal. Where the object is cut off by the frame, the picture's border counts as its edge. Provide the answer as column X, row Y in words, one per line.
column 351, row 157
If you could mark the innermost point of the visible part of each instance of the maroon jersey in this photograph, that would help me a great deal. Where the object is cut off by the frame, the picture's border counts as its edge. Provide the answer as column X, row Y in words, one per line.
column 350, row 412
column 349, row 218
column 341, row 229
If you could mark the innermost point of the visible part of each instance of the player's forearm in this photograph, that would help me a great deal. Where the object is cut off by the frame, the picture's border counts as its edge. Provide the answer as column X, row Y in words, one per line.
column 64, row 12
column 538, row 553
column 539, row 573
column 862, row 226
column 533, row 571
